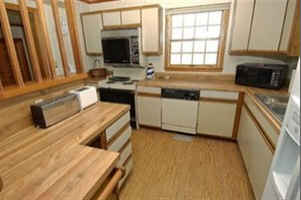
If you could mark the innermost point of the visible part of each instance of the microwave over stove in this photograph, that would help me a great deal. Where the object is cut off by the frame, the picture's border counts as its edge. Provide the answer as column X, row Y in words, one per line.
column 271, row 76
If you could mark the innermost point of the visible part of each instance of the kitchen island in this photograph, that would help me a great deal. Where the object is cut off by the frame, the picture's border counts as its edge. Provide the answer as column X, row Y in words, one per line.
column 56, row 163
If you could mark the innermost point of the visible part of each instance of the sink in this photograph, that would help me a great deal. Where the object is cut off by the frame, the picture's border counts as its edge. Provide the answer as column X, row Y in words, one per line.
column 276, row 104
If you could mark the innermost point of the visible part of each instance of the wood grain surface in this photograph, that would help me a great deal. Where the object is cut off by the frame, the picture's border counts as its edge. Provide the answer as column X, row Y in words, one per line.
column 168, row 169
column 53, row 163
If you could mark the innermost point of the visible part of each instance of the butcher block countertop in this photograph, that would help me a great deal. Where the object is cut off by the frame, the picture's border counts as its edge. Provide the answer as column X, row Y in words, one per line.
column 221, row 85
column 54, row 163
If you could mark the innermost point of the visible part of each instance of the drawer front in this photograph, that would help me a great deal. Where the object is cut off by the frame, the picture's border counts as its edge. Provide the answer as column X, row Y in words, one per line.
column 265, row 124
column 119, row 124
column 219, row 94
column 121, row 140
column 128, row 169
column 150, row 90
column 125, row 154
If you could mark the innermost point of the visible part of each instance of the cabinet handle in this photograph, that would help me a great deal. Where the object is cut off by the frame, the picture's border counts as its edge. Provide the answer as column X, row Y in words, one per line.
column 112, row 184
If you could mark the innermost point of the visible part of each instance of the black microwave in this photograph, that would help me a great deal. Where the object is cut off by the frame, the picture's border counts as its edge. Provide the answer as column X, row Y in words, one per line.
column 270, row 76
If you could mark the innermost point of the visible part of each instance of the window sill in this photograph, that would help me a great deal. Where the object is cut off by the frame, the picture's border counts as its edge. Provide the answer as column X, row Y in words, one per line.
column 194, row 69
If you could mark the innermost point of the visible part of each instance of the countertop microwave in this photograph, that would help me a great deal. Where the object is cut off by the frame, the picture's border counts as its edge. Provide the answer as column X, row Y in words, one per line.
column 271, row 76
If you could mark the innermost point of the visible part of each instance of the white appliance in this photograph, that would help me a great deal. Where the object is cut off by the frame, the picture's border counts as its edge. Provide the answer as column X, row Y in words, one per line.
column 180, row 110
column 284, row 177
column 87, row 96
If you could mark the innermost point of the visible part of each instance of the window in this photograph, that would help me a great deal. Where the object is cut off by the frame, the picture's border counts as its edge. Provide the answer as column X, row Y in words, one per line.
column 196, row 41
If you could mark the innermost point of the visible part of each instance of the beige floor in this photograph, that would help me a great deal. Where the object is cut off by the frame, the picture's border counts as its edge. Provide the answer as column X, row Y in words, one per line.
column 169, row 169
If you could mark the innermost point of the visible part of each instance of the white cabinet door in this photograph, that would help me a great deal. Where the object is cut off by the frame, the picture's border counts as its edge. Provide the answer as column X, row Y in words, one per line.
column 111, row 18
column 242, row 24
column 149, row 111
column 255, row 152
column 267, row 25
column 130, row 17
column 150, row 30
column 216, row 118
column 92, row 26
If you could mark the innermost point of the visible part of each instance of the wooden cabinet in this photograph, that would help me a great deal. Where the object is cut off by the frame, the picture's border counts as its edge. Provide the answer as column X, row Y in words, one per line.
column 131, row 17
column 242, row 21
column 111, row 18
column 151, row 31
column 216, row 118
column 265, row 27
column 255, row 151
column 92, row 26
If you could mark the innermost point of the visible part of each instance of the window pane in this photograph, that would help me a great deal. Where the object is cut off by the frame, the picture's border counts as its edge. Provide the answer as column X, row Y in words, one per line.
column 201, row 32
column 215, row 17
column 214, row 31
column 211, row 59
column 177, row 20
column 188, row 33
column 177, row 33
column 212, row 46
column 186, row 59
column 189, row 19
column 187, row 46
column 198, row 59
column 201, row 19
column 175, row 59
column 176, row 47
column 199, row 46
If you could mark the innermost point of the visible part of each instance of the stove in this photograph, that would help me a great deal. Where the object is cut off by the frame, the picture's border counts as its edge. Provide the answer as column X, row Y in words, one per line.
column 119, row 82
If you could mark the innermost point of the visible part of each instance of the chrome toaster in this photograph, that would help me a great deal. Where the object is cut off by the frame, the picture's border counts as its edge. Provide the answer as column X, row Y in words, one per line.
column 54, row 110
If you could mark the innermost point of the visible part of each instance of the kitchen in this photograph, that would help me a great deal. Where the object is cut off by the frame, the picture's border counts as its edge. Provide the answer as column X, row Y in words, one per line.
column 198, row 99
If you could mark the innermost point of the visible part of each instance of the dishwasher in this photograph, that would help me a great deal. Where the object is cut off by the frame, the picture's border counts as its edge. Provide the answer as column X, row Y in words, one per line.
column 180, row 110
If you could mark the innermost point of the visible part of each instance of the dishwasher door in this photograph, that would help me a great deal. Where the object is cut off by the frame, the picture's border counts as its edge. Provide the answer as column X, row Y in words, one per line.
column 179, row 115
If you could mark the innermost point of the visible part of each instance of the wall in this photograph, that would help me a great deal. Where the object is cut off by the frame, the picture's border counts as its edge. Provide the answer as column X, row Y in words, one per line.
column 230, row 62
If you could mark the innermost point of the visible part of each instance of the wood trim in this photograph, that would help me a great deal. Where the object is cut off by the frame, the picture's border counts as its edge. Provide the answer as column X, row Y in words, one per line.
column 56, row 15
column 30, row 41
column 103, row 141
column 124, row 146
column 113, row 183
column 74, row 35
column 118, row 134
column 117, row 27
column 13, row 91
column 238, row 115
column 294, row 43
column 45, row 32
column 145, row 94
column 128, row 159
column 16, row 7
column 1, row 87
column 224, row 35
column 150, row 127
column 264, row 135
column 216, row 100
column 121, row 9
column 10, row 45
column 257, row 53
column 193, row 69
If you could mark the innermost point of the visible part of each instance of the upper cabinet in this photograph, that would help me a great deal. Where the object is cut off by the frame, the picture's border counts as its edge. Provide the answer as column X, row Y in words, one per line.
column 148, row 18
column 151, row 30
column 265, row 27
column 131, row 17
column 92, row 26
column 111, row 18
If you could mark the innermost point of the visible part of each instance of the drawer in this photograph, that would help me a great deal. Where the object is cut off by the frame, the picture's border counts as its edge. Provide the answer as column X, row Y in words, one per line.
column 150, row 90
column 119, row 124
column 128, row 168
column 263, row 121
column 117, row 144
column 219, row 94
column 125, row 154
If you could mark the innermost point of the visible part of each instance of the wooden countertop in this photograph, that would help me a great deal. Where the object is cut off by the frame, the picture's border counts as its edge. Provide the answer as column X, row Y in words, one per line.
column 222, row 85
column 54, row 163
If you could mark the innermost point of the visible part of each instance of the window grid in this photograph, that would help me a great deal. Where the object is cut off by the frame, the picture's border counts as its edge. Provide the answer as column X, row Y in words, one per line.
column 195, row 39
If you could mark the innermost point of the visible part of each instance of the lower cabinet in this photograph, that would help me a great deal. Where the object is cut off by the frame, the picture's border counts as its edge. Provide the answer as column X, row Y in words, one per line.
column 216, row 118
column 255, row 151
column 149, row 111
